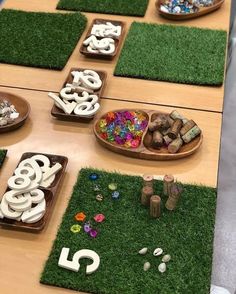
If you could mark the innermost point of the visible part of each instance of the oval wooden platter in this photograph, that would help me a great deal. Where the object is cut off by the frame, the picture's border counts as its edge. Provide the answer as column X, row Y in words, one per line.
column 201, row 11
column 145, row 150
column 21, row 105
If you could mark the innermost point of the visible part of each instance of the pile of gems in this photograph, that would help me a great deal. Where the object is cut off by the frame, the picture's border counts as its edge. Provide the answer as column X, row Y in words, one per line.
column 170, row 188
column 157, row 252
column 90, row 226
column 124, row 128
column 172, row 131
column 183, row 6
column 8, row 113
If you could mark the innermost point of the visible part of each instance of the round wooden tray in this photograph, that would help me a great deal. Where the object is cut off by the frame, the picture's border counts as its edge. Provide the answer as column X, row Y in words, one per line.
column 21, row 105
column 145, row 151
column 201, row 11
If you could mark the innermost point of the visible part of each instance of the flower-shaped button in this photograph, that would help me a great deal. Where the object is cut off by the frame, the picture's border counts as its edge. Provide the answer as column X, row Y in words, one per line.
column 75, row 229
column 93, row 177
column 87, row 227
column 80, row 216
column 99, row 218
column 93, row 233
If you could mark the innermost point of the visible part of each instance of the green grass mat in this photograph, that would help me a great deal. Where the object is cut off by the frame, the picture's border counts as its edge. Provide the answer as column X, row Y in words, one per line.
column 122, row 7
column 174, row 54
column 186, row 234
column 39, row 39
column 3, row 153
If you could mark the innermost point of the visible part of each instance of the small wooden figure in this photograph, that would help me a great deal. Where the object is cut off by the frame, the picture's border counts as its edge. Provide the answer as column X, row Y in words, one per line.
column 148, row 180
column 147, row 192
column 175, row 192
column 168, row 180
column 155, row 206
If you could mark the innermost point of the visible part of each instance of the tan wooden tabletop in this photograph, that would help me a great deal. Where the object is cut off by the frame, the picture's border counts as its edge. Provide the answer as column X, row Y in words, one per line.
column 154, row 92
column 23, row 254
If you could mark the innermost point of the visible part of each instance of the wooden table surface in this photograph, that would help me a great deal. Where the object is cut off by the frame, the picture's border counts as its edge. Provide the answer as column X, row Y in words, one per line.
column 23, row 254
column 154, row 92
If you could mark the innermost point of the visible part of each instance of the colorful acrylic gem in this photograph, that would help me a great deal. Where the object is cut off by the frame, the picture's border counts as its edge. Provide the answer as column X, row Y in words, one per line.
column 75, row 229
column 93, row 177
column 115, row 195
column 99, row 197
column 112, row 186
column 80, row 217
column 99, row 218
column 93, row 233
column 87, row 227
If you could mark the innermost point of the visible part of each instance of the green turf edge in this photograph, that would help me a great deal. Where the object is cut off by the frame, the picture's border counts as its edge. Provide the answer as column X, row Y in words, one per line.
column 3, row 154
column 49, row 47
column 143, row 62
column 196, row 277
column 118, row 7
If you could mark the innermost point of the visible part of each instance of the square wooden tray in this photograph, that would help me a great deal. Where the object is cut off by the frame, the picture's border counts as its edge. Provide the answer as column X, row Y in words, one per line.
column 83, row 48
column 50, row 194
column 60, row 114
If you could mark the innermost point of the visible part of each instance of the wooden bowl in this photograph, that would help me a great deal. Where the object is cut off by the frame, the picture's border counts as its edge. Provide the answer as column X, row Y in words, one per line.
column 145, row 150
column 60, row 114
column 21, row 105
column 83, row 48
column 201, row 11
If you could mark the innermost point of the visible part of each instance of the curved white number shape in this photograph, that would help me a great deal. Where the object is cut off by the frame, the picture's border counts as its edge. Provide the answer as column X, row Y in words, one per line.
column 74, row 265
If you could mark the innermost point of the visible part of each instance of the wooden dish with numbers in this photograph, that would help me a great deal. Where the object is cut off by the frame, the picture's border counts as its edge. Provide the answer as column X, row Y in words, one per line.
column 145, row 150
column 83, row 48
column 50, row 194
column 182, row 16
column 60, row 114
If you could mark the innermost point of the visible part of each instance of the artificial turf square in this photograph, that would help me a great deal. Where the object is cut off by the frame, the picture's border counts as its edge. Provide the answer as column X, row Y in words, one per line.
column 39, row 39
column 174, row 54
column 186, row 234
column 122, row 7
column 3, row 153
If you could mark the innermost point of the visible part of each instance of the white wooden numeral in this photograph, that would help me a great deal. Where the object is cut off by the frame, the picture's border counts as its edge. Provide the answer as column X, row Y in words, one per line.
column 74, row 265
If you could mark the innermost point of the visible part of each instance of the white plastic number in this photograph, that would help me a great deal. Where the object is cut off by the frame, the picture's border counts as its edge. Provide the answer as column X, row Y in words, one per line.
column 74, row 265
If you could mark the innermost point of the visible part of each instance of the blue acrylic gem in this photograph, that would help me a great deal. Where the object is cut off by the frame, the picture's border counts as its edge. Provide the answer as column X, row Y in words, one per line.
column 93, row 176
column 115, row 195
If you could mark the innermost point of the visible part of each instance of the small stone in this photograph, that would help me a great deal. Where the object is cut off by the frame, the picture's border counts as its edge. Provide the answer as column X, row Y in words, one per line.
column 162, row 267
column 146, row 266
column 143, row 251
column 166, row 258
column 158, row 251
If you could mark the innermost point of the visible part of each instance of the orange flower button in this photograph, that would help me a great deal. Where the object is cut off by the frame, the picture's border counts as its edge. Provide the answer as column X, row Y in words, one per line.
column 80, row 217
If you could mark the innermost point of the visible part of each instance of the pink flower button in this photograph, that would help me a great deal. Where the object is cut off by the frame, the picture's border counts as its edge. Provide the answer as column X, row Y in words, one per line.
column 99, row 218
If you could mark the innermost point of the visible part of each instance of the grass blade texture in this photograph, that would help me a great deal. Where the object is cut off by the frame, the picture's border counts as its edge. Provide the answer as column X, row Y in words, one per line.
column 122, row 7
column 38, row 39
column 186, row 234
column 3, row 154
column 174, row 54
